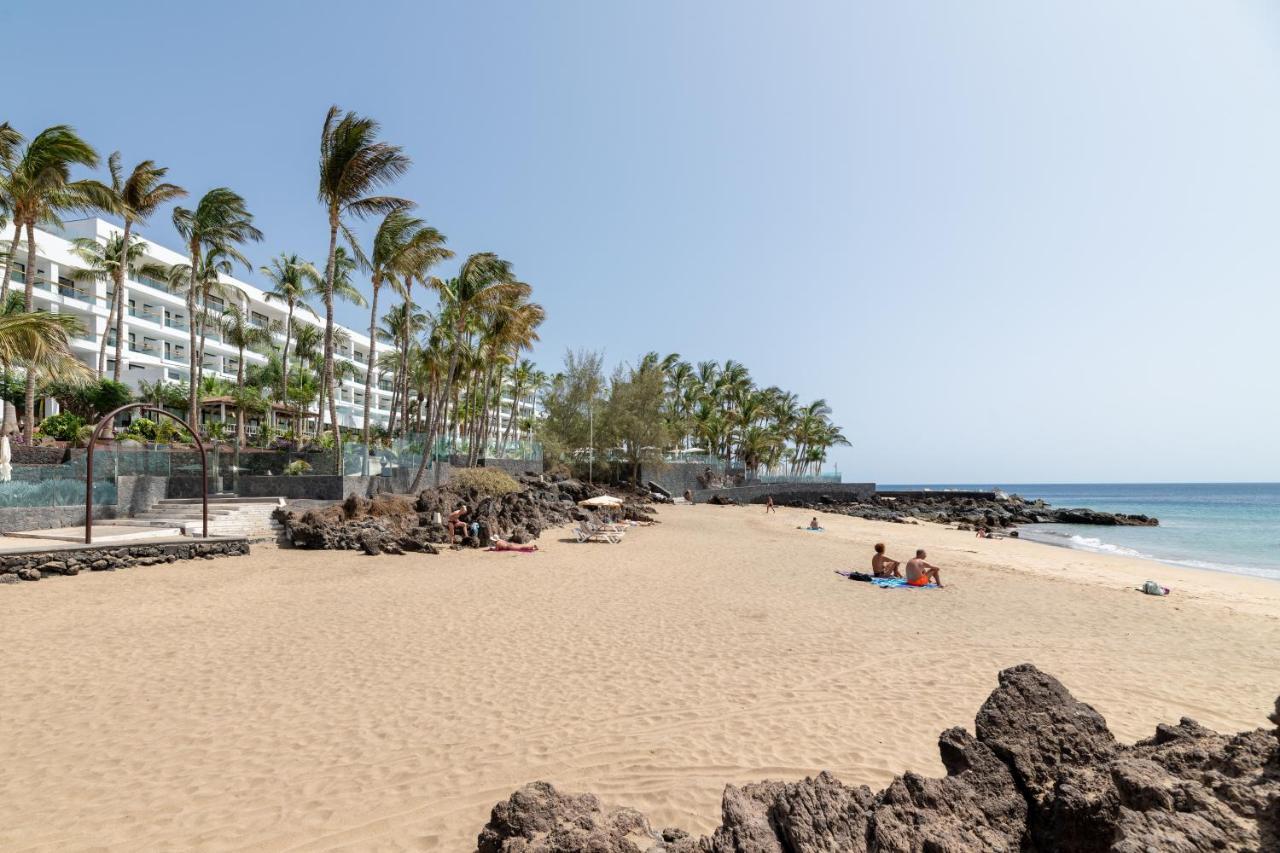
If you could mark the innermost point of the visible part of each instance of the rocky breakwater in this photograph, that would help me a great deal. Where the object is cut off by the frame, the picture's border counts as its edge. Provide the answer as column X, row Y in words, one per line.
column 394, row 524
column 944, row 508
column 1042, row 773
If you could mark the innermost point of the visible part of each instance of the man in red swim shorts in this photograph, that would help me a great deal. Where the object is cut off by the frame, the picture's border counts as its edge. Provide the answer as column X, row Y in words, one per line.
column 919, row 573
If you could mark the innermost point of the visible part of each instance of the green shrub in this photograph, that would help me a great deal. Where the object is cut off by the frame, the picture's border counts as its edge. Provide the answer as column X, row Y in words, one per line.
column 296, row 467
column 141, row 429
column 166, row 431
column 486, row 481
column 63, row 426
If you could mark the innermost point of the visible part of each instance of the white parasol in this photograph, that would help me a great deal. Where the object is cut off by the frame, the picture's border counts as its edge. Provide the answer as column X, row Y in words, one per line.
column 602, row 501
column 6, row 460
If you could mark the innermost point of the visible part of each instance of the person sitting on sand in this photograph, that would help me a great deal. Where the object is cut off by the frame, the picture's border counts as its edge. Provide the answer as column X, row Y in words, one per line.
column 882, row 566
column 458, row 522
column 505, row 545
column 813, row 524
column 919, row 573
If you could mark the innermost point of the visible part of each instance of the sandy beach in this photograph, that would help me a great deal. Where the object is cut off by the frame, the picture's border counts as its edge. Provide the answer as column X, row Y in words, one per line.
column 297, row 700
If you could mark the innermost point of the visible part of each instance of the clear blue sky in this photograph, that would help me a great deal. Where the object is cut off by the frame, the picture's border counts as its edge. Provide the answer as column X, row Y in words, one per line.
column 1007, row 241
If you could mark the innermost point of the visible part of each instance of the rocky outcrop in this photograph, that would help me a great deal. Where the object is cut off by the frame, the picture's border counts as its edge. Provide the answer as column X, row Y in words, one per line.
column 965, row 510
column 389, row 523
column 1042, row 773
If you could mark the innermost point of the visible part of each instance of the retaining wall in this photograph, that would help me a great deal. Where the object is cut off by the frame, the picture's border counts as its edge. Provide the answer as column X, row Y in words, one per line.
column 43, row 561
column 784, row 492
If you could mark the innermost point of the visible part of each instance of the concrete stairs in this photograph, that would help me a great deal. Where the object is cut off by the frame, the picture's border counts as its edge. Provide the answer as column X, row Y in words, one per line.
column 229, row 515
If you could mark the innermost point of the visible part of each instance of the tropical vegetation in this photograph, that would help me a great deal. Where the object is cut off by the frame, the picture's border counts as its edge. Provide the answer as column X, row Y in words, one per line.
column 450, row 350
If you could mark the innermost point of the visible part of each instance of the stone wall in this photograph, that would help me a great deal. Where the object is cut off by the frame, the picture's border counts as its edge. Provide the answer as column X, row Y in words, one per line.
column 41, row 562
column 783, row 492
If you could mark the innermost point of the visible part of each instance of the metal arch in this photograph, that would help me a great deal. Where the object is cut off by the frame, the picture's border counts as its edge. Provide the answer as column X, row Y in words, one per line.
column 88, row 466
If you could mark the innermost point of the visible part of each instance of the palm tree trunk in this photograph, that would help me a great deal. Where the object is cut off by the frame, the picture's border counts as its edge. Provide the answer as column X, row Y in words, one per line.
column 111, row 323
column 327, row 380
column 8, row 260
column 240, row 412
column 373, row 357
column 29, row 408
column 284, row 367
column 434, row 422
column 121, row 269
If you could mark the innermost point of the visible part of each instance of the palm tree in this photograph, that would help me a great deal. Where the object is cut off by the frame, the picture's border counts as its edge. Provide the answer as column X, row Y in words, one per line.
column 112, row 262
column 484, row 281
column 193, row 282
column 241, row 332
column 39, row 342
column 353, row 164
column 38, row 188
column 219, row 223
column 402, row 247
column 137, row 197
column 10, row 141
column 292, row 281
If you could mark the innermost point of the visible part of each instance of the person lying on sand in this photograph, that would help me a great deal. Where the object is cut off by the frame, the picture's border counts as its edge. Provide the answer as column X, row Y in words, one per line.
column 919, row 573
column 504, row 545
column 882, row 566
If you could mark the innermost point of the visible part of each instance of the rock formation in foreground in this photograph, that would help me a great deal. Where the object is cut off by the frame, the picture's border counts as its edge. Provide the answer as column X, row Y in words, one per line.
column 1042, row 774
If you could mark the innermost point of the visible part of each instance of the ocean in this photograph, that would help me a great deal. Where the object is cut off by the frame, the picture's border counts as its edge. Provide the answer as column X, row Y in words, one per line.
column 1225, row 527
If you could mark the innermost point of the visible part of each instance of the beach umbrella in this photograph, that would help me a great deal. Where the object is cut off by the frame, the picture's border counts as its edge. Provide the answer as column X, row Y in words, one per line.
column 6, row 460
column 602, row 502
column 10, row 419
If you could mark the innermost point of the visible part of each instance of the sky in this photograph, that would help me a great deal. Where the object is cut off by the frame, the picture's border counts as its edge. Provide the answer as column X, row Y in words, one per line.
column 1008, row 242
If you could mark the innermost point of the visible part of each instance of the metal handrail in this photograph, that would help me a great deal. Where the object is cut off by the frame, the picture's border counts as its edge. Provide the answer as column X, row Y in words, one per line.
column 88, row 466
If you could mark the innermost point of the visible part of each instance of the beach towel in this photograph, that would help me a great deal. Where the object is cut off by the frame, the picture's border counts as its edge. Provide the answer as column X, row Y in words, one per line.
column 899, row 583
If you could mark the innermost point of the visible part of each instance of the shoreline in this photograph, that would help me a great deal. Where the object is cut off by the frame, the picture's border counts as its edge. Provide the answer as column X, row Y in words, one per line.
column 297, row 699
column 1203, row 566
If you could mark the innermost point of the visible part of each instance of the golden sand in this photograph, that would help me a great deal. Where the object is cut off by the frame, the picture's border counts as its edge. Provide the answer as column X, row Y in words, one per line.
column 296, row 700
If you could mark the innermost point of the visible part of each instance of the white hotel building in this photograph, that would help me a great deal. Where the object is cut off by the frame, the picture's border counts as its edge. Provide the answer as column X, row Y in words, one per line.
column 155, row 320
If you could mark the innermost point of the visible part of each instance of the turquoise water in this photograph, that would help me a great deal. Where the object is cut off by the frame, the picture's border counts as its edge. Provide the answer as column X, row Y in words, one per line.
column 1228, row 527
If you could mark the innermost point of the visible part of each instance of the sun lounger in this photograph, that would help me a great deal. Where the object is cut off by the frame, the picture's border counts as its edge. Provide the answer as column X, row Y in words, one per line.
column 609, row 536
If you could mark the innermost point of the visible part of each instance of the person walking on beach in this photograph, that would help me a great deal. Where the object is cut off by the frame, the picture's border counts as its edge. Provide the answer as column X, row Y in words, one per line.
column 882, row 566
column 768, row 505
column 919, row 573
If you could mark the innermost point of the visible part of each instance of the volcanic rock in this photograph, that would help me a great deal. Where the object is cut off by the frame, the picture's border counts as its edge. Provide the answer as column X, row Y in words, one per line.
column 1043, row 773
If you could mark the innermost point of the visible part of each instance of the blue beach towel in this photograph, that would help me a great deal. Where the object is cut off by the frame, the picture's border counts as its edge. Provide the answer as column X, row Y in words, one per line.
column 899, row 583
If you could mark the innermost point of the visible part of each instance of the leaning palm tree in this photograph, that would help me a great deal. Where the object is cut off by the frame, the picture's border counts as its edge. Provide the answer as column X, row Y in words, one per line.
column 38, row 188
column 241, row 332
column 403, row 245
column 485, row 280
column 113, row 262
column 353, row 165
column 292, row 281
column 218, row 224
column 193, row 282
column 137, row 196
column 10, row 141
column 40, row 343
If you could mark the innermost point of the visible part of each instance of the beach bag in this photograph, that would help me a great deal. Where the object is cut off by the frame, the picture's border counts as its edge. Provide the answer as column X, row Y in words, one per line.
column 860, row 576
column 1153, row 588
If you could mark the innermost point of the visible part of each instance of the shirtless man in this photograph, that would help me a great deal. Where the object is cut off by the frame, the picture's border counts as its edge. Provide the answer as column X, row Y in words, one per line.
column 457, row 522
column 919, row 573
column 882, row 566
